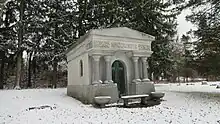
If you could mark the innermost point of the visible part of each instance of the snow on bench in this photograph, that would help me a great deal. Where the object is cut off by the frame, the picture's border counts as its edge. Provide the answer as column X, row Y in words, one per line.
column 103, row 97
column 134, row 96
column 125, row 98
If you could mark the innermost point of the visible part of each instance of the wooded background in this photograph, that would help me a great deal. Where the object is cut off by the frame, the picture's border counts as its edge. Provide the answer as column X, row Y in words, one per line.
column 34, row 35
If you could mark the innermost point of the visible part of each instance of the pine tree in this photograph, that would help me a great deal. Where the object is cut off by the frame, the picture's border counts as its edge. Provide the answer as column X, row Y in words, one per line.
column 45, row 28
column 148, row 16
column 152, row 17
column 59, row 32
column 188, row 68
column 34, row 26
column 178, row 58
column 21, row 8
column 206, row 16
column 7, row 36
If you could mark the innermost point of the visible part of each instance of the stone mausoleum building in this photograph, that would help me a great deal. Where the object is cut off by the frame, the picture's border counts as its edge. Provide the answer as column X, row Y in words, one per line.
column 109, row 62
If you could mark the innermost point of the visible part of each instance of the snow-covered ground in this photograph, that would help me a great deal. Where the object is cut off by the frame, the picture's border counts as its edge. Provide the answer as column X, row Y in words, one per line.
column 52, row 106
column 190, row 87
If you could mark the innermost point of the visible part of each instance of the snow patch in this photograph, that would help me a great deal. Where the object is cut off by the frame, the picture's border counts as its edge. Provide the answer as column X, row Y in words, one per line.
column 177, row 107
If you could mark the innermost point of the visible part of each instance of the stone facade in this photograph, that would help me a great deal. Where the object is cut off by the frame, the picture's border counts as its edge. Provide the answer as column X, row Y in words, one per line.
column 91, row 68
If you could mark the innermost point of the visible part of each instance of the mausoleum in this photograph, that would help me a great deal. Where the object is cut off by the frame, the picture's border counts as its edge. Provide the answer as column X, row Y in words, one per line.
column 109, row 62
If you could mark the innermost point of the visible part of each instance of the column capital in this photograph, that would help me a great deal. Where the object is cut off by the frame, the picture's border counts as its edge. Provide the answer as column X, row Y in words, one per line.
column 107, row 58
column 96, row 57
column 135, row 58
column 144, row 59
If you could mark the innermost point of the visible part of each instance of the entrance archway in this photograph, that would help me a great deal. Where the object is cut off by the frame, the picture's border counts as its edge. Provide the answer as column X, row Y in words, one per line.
column 118, row 76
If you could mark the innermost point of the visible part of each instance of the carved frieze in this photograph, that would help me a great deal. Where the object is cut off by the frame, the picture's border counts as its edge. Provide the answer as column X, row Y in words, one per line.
column 121, row 45
column 144, row 47
column 102, row 44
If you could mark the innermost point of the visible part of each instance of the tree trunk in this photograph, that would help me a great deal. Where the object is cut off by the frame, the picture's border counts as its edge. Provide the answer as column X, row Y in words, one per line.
column 2, row 54
column 54, row 80
column 54, row 63
column 34, row 71
column 29, row 84
column 178, row 76
column 18, row 71
column 20, row 40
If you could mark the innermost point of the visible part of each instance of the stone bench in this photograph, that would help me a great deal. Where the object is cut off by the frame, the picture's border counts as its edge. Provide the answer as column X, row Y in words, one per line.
column 126, row 98
column 102, row 100
column 156, row 95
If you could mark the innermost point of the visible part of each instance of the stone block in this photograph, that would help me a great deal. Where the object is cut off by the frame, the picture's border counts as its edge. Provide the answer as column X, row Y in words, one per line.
column 87, row 93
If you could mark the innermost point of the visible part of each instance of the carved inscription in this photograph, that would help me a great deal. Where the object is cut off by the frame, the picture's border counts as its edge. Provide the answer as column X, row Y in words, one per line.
column 118, row 45
column 144, row 47
column 123, row 45
column 102, row 44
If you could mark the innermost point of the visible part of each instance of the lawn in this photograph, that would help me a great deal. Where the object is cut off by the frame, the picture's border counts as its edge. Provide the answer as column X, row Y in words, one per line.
column 184, row 104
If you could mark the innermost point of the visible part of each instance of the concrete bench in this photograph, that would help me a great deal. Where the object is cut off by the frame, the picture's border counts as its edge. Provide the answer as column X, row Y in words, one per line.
column 156, row 95
column 126, row 98
column 102, row 100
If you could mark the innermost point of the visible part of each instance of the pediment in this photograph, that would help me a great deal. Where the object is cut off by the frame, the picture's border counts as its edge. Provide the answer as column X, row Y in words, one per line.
column 122, row 32
column 120, row 38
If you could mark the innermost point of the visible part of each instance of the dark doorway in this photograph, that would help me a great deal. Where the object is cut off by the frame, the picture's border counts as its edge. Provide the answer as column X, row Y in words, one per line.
column 118, row 76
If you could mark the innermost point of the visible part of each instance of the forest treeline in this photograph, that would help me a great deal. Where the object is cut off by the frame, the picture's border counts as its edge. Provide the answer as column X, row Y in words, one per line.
column 34, row 35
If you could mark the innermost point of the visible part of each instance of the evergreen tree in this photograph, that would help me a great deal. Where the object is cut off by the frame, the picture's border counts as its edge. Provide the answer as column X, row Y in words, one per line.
column 7, row 36
column 155, row 18
column 20, row 23
column 205, row 16
column 148, row 16
column 59, row 32
column 188, row 68
column 178, row 59
column 45, row 28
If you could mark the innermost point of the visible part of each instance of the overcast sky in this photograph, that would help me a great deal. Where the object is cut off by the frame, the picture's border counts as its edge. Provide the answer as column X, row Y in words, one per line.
column 184, row 26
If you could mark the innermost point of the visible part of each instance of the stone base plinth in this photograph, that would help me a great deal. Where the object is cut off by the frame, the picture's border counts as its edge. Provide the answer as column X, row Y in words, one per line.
column 141, row 88
column 86, row 93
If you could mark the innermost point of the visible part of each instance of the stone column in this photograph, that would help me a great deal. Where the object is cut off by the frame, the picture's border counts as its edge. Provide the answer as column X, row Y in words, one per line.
column 145, row 66
column 96, row 59
column 136, row 70
column 108, row 69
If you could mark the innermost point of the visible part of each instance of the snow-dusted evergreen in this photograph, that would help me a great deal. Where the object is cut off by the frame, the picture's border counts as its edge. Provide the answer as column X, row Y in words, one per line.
column 44, row 29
